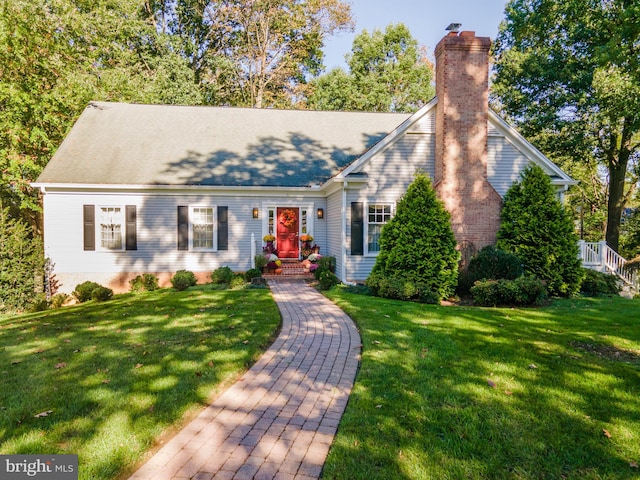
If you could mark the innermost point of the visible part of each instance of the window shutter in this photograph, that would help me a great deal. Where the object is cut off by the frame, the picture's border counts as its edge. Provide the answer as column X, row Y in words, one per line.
column 131, row 235
column 357, row 228
column 183, row 228
column 89, row 220
column 223, row 228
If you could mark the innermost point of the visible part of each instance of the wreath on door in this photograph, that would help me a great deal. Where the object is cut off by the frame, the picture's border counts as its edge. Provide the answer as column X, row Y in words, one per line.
column 288, row 218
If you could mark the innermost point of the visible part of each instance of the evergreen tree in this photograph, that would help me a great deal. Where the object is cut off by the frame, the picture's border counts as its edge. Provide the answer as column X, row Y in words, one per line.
column 418, row 259
column 21, row 263
column 537, row 229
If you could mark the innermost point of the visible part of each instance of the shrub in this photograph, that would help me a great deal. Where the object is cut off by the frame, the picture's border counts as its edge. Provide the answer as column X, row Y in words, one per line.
column 58, row 300
column 328, row 263
column 417, row 247
column 598, row 283
column 101, row 294
column 327, row 280
column 400, row 288
column 84, row 291
column 251, row 274
column 237, row 281
column 183, row 279
column 222, row 275
column 144, row 283
column 535, row 226
column 523, row 291
column 490, row 263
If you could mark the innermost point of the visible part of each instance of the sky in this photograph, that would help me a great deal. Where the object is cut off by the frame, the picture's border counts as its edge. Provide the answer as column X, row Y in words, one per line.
column 426, row 20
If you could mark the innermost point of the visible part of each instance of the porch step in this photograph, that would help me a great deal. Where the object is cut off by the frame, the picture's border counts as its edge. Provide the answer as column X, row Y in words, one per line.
column 291, row 269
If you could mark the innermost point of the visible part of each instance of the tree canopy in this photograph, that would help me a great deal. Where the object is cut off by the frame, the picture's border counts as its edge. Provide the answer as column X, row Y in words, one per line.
column 255, row 53
column 567, row 71
column 55, row 57
column 388, row 72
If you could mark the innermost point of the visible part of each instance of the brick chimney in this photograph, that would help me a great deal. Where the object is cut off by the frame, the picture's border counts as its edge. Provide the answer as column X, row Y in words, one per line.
column 462, row 89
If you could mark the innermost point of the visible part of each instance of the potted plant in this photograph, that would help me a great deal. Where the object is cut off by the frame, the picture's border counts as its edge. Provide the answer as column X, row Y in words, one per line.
column 261, row 261
column 305, row 247
column 269, row 239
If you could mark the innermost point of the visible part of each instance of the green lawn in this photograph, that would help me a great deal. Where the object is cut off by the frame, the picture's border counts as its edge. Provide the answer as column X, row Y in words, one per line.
column 102, row 380
column 470, row 393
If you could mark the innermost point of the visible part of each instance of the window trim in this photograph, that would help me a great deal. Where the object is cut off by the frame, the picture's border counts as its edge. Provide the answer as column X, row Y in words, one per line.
column 98, row 228
column 214, row 225
column 365, row 229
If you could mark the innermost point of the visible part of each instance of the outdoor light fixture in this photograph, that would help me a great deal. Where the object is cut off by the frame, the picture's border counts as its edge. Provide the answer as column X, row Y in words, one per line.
column 255, row 212
column 320, row 213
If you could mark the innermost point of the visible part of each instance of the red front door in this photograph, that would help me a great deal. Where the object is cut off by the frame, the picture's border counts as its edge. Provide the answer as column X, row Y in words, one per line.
column 287, row 232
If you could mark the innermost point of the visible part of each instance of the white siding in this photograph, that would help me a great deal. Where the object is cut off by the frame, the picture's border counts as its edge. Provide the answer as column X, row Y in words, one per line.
column 504, row 163
column 389, row 175
column 333, row 224
column 156, row 235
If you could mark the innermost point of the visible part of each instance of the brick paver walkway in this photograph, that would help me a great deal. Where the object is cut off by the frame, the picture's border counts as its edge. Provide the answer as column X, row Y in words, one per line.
column 279, row 419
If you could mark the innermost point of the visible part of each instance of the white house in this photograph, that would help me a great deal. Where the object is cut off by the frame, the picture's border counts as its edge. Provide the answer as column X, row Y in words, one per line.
column 156, row 188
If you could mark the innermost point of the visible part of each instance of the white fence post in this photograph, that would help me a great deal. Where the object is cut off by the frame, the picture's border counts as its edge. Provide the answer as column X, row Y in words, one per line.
column 253, row 250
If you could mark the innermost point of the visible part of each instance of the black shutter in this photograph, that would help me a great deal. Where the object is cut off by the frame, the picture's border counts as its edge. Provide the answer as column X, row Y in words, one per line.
column 131, row 235
column 223, row 228
column 89, row 220
column 357, row 228
column 183, row 228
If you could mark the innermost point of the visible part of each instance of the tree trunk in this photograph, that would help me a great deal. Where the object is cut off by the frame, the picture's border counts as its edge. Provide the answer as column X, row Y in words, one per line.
column 616, row 202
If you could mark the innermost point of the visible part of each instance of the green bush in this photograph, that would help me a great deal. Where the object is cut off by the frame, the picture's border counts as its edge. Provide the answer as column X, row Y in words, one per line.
column 84, row 291
column 238, row 281
column 327, row 263
column 101, row 294
column 327, row 280
column 417, row 247
column 183, row 279
column 58, row 300
column 401, row 289
column 222, row 275
column 490, row 263
column 599, row 283
column 536, row 227
column 251, row 274
column 523, row 291
column 144, row 283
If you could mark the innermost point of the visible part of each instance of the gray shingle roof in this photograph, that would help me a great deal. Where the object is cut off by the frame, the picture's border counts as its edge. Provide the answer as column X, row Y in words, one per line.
column 117, row 143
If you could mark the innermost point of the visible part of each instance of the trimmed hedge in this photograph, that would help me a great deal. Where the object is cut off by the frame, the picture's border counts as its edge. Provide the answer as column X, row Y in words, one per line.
column 523, row 291
column 183, row 279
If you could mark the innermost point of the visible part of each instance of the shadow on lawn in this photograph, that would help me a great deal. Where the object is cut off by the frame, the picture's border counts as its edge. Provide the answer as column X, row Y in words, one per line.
column 456, row 392
column 108, row 378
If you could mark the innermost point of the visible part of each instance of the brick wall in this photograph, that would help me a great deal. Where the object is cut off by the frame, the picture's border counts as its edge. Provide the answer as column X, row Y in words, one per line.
column 462, row 88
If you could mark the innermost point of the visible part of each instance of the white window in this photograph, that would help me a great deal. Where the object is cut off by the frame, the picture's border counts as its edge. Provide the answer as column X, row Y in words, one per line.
column 202, row 228
column 111, row 228
column 377, row 215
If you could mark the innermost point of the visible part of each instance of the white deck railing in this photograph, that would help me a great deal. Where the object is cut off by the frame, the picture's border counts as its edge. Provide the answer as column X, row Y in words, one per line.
column 599, row 256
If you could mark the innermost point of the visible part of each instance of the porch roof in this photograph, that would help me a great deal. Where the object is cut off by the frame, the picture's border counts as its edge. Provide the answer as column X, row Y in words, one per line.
column 117, row 143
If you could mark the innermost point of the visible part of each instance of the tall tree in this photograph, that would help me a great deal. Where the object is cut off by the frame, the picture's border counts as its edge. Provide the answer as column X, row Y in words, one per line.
column 388, row 72
column 254, row 53
column 567, row 71
column 56, row 56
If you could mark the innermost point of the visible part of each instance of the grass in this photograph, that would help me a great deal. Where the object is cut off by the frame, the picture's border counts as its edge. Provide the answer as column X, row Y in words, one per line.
column 471, row 393
column 104, row 380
